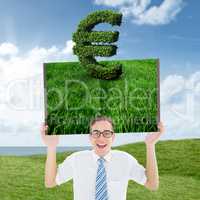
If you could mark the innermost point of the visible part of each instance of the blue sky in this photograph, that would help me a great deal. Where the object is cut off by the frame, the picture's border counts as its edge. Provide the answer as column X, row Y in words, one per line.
column 45, row 23
column 36, row 31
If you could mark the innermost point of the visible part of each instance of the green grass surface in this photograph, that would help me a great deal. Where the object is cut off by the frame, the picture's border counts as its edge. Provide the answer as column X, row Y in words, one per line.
column 22, row 178
column 73, row 97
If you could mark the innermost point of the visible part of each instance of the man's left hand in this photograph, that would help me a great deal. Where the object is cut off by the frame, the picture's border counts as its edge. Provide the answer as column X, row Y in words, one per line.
column 152, row 138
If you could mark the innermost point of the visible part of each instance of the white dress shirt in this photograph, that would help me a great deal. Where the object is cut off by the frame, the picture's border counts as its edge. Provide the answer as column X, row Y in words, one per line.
column 82, row 168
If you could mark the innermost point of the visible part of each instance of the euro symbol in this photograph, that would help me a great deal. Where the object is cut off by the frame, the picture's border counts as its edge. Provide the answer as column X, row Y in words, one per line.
column 89, row 44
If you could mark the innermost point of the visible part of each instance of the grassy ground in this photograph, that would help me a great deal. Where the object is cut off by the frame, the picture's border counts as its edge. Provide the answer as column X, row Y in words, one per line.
column 74, row 97
column 22, row 178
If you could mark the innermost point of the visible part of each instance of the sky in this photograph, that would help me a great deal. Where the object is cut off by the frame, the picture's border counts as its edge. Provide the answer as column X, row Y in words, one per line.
column 33, row 32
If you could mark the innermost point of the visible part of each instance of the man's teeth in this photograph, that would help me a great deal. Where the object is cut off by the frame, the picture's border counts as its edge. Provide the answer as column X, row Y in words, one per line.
column 101, row 145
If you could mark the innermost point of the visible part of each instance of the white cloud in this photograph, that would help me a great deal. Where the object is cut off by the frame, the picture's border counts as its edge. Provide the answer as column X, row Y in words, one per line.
column 162, row 14
column 31, row 63
column 22, row 102
column 143, row 12
column 21, row 88
column 68, row 48
column 172, row 85
column 8, row 49
column 180, row 105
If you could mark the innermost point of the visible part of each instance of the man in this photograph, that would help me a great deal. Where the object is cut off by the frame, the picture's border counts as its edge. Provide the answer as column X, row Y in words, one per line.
column 101, row 173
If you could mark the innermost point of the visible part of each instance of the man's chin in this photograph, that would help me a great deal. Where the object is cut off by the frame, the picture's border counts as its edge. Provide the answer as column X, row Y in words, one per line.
column 101, row 152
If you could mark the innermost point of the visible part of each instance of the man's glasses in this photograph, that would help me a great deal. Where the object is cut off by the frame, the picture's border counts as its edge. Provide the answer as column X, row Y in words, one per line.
column 105, row 133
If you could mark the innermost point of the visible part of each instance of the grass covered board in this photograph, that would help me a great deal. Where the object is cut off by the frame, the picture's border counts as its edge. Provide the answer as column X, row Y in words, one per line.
column 72, row 97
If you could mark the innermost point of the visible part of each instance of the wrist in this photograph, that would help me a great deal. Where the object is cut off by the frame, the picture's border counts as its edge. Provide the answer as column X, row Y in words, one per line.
column 150, row 145
column 51, row 148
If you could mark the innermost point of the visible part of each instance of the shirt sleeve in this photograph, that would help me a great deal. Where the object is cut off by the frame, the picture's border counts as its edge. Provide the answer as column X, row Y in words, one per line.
column 137, row 172
column 65, row 170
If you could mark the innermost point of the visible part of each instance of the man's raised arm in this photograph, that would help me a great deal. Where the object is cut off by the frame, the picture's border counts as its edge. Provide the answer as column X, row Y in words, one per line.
column 51, row 166
column 151, row 165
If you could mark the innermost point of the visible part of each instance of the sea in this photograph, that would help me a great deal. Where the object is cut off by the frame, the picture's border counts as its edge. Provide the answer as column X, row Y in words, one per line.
column 25, row 151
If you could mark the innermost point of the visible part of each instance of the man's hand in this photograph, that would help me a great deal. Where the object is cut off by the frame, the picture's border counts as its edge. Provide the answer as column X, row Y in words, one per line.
column 152, row 182
column 152, row 138
column 51, row 166
column 50, row 140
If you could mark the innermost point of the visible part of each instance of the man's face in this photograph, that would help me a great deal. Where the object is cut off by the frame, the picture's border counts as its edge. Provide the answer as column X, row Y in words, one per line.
column 101, row 145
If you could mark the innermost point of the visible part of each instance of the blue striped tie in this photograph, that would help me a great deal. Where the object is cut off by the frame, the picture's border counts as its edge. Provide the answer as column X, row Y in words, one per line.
column 101, row 184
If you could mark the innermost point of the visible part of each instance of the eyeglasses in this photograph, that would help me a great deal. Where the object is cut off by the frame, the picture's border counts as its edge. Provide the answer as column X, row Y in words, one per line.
column 105, row 133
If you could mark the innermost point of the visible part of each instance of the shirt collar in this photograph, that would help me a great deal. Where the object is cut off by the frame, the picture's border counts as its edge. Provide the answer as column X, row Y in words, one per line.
column 107, row 157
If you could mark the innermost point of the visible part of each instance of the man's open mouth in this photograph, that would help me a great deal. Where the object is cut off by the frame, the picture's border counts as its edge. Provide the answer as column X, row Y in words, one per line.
column 101, row 146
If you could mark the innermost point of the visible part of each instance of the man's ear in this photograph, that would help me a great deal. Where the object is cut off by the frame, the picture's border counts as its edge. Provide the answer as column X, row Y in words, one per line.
column 90, row 139
column 113, row 137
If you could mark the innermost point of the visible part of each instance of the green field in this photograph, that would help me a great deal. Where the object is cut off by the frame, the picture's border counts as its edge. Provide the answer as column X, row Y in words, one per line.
column 22, row 178
column 73, row 97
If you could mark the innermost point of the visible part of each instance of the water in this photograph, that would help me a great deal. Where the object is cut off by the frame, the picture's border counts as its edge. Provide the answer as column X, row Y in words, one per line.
column 25, row 151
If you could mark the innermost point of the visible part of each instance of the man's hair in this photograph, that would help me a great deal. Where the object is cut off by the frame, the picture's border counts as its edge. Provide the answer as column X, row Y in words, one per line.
column 101, row 118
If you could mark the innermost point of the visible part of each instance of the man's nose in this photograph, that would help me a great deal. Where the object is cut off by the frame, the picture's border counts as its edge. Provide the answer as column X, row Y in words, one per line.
column 101, row 137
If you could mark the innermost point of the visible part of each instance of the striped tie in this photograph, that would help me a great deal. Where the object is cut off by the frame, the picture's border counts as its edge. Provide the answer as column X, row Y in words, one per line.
column 101, row 185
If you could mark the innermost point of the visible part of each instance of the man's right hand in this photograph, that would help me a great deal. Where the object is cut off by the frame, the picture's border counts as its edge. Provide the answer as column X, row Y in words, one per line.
column 50, row 140
column 51, row 166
